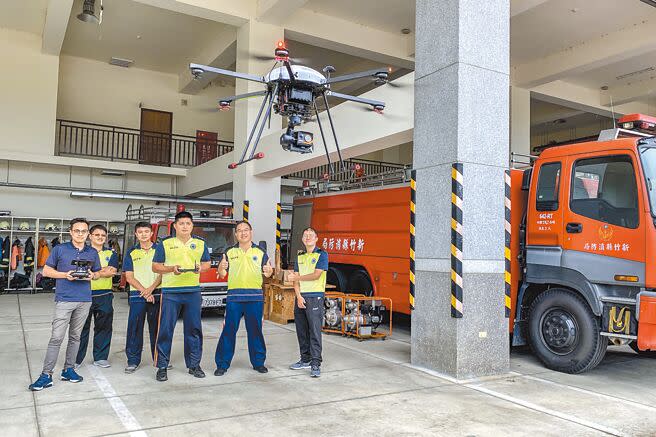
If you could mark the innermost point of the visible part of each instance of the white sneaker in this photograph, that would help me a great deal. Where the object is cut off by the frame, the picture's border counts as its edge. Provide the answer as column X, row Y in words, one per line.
column 102, row 363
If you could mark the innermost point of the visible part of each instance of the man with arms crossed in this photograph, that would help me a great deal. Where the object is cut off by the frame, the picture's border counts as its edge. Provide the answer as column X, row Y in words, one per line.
column 72, row 300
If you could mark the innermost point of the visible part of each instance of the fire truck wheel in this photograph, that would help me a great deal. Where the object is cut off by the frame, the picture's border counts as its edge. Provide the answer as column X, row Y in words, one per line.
column 360, row 283
column 564, row 333
column 648, row 354
column 337, row 278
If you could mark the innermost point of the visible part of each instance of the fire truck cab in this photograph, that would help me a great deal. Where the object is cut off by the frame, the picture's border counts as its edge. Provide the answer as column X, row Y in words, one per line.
column 215, row 227
column 583, row 248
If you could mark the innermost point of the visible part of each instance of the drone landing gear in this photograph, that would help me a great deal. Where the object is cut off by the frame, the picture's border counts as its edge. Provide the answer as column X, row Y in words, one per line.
column 268, row 103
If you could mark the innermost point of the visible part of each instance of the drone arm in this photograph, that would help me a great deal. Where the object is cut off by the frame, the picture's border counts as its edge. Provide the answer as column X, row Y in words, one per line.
column 243, row 96
column 288, row 66
column 352, row 76
column 374, row 103
column 208, row 69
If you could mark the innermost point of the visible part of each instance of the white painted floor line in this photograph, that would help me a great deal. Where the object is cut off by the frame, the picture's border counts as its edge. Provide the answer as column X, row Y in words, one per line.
column 125, row 416
column 535, row 407
column 590, row 392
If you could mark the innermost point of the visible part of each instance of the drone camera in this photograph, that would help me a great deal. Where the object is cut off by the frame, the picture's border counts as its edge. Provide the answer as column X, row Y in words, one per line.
column 297, row 141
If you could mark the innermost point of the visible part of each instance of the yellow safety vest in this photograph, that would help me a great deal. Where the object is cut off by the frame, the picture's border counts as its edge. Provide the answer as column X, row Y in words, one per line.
column 187, row 255
column 307, row 263
column 245, row 273
column 142, row 265
column 102, row 286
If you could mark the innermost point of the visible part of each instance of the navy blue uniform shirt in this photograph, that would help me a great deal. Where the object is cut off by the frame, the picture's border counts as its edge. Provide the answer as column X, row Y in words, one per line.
column 61, row 259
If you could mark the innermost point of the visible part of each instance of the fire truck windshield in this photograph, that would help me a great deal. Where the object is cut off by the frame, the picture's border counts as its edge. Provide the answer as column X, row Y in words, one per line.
column 217, row 236
column 648, row 158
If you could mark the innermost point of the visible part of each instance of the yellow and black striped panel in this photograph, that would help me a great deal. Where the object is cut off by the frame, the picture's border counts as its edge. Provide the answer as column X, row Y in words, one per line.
column 245, row 211
column 507, row 234
column 413, row 200
column 278, row 221
column 456, row 240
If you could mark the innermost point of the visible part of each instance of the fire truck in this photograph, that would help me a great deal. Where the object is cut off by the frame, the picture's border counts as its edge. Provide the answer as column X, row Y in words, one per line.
column 582, row 246
column 215, row 227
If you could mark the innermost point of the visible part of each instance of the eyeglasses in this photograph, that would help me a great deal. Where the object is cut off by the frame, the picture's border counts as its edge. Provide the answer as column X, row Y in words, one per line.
column 80, row 231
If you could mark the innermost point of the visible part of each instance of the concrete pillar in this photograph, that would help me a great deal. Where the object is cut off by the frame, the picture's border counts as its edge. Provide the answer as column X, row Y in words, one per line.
column 262, row 193
column 520, row 121
column 461, row 115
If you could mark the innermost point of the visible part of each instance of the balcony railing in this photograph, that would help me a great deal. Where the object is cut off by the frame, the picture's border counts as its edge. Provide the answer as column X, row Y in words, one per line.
column 354, row 168
column 114, row 143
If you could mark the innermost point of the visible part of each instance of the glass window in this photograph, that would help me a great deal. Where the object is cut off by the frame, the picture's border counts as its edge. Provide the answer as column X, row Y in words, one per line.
column 605, row 189
column 548, row 184
column 648, row 157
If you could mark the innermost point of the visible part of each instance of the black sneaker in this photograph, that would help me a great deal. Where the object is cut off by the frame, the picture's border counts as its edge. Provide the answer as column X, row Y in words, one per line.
column 220, row 371
column 161, row 375
column 261, row 369
column 197, row 372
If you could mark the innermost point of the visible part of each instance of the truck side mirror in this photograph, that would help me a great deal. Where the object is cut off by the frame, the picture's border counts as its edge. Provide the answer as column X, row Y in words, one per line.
column 526, row 179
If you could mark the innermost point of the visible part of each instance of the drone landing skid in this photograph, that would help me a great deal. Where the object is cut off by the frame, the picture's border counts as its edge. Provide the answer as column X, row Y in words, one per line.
column 234, row 165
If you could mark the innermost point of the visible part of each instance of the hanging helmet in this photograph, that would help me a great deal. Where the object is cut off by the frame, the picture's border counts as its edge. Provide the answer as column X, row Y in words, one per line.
column 49, row 227
column 113, row 229
column 24, row 226
column 4, row 225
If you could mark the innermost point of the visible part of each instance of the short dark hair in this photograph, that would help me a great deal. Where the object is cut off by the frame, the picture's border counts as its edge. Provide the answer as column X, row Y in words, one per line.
column 243, row 222
column 94, row 228
column 183, row 214
column 310, row 228
column 77, row 220
column 142, row 225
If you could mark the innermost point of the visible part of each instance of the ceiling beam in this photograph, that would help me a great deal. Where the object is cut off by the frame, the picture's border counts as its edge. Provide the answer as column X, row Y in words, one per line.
column 55, row 25
column 220, row 52
column 520, row 6
column 232, row 12
column 598, row 52
column 629, row 93
column 277, row 11
column 582, row 98
column 351, row 38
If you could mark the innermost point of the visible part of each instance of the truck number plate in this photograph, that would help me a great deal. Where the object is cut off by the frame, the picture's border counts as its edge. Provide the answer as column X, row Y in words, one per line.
column 213, row 301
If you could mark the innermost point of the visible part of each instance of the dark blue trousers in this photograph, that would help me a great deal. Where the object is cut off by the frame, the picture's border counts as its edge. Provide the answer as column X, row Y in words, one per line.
column 171, row 306
column 102, row 313
column 252, row 313
column 140, row 311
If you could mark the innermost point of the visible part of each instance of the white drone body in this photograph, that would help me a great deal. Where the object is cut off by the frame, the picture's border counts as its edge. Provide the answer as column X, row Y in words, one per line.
column 301, row 74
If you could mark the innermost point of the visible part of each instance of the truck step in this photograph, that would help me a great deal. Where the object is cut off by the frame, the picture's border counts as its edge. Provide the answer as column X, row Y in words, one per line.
column 620, row 300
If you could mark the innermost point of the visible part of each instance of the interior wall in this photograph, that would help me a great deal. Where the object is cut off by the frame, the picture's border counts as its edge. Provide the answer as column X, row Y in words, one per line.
column 96, row 92
column 401, row 154
column 28, row 94
column 53, row 203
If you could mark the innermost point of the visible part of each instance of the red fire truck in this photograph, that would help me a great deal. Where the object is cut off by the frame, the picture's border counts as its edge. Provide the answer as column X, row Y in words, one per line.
column 215, row 227
column 583, row 246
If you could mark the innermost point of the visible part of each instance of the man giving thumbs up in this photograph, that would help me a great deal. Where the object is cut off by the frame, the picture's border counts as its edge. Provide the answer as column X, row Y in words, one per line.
column 246, row 262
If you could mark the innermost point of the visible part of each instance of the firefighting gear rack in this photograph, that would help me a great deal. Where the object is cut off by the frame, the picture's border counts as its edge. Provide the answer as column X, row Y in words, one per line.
column 22, row 228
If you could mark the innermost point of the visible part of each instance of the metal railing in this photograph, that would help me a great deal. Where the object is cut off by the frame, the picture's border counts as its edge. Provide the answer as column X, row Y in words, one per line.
column 354, row 165
column 115, row 143
column 351, row 181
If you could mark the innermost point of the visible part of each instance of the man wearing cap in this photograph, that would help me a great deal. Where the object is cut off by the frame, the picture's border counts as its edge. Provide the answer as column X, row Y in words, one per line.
column 180, row 259
column 247, row 262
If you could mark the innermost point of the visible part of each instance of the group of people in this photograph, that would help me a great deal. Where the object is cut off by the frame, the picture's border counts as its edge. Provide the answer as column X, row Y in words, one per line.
column 164, row 284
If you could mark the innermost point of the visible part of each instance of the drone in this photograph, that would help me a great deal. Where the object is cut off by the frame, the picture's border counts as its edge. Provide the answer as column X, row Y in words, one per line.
column 292, row 91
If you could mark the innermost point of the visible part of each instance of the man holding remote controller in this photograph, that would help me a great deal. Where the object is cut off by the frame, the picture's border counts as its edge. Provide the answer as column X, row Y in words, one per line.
column 73, row 265
column 180, row 259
